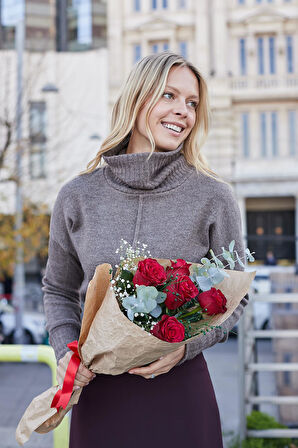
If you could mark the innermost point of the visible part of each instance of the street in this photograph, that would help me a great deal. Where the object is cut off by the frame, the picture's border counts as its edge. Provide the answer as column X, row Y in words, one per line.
column 21, row 382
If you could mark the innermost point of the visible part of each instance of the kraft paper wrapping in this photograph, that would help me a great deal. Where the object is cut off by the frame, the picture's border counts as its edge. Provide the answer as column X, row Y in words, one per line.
column 111, row 344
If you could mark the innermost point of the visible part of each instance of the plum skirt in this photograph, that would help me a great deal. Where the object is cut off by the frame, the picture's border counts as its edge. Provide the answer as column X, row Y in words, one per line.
column 177, row 409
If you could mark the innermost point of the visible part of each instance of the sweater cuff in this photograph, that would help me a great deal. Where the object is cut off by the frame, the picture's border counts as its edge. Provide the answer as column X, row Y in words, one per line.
column 61, row 336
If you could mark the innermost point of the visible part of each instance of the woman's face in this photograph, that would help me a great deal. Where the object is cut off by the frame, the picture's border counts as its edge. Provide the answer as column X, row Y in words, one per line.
column 172, row 118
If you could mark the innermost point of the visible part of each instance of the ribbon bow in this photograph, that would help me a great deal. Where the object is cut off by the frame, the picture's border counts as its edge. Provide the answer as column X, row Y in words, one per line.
column 62, row 397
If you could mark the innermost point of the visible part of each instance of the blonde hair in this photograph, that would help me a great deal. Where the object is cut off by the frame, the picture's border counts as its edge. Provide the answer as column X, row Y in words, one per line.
column 147, row 79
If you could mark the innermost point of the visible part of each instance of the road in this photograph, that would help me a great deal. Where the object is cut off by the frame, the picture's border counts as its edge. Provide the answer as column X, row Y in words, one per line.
column 21, row 382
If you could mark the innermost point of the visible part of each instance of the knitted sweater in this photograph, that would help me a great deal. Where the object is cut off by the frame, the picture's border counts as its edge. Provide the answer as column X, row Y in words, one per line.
column 162, row 202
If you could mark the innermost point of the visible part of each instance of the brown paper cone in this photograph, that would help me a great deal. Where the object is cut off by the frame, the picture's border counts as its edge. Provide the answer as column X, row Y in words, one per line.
column 115, row 344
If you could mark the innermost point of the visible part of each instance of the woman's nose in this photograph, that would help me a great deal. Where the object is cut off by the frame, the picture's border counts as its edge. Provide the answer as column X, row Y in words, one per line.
column 180, row 108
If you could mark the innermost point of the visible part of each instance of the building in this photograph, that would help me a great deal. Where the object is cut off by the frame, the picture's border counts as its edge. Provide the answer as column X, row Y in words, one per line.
column 246, row 50
column 62, row 25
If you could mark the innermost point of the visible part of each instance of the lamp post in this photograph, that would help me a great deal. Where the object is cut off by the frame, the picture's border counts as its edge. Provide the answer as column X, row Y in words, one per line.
column 19, row 272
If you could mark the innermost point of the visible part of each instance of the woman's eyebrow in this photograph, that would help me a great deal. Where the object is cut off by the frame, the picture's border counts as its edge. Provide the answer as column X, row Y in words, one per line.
column 177, row 90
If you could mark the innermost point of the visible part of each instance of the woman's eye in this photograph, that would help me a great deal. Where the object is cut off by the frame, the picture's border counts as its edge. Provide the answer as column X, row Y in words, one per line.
column 193, row 104
column 168, row 95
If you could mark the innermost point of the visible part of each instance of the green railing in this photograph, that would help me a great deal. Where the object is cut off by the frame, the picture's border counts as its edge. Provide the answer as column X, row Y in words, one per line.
column 44, row 354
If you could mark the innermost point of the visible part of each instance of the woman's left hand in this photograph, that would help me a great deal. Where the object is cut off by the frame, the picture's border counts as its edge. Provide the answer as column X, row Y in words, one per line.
column 163, row 365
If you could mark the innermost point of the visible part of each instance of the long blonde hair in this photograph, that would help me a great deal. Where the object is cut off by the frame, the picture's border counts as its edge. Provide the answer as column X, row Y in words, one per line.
column 147, row 79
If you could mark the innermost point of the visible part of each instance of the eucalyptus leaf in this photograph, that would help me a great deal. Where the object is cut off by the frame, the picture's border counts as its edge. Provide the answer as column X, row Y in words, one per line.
column 205, row 261
column 216, row 259
column 249, row 255
column 231, row 246
column 228, row 257
column 146, row 292
column 161, row 297
column 130, row 314
column 239, row 260
column 217, row 275
column 204, row 283
column 156, row 312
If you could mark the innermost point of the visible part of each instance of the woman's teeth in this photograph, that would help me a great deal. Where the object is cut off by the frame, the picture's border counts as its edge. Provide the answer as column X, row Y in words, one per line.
column 173, row 127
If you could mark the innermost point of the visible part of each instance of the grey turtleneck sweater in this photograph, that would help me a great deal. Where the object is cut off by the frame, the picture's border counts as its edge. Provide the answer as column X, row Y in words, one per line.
column 162, row 202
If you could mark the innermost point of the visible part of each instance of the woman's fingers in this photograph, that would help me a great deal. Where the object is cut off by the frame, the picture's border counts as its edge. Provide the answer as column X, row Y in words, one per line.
column 161, row 366
column 83, row 375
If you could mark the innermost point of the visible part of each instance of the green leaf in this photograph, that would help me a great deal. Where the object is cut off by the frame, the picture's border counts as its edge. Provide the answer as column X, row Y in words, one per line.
column 231, row 246
column 126, row 275
column 239, row 260
column 156, row 312
column 161, row 297
column 249, row 256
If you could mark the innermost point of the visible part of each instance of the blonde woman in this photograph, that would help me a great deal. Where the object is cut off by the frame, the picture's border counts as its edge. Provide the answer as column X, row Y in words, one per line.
column 154, row 187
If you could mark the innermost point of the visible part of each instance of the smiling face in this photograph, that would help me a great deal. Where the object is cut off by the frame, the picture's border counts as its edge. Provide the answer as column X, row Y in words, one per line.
column 172, row 118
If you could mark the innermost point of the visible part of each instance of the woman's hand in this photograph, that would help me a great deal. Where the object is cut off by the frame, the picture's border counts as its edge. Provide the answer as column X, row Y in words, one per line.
column 83, row 376
column 163, row 365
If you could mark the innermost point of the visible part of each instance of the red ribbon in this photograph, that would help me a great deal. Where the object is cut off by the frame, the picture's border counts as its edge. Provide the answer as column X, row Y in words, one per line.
column 62, row 397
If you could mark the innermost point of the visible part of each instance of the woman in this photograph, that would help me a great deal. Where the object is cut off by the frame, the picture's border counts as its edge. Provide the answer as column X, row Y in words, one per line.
column 155, row 187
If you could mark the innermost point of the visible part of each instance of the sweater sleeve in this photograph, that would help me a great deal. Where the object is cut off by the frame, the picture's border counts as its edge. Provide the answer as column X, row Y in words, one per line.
column 62, row 280
column 225, row 226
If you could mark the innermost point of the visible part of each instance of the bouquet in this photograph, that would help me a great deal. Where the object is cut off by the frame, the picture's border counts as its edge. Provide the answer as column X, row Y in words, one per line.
column 147, row 310
column 173, row 303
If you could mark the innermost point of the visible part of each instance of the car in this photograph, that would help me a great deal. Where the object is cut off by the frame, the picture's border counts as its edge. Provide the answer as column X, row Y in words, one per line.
column 33, row 324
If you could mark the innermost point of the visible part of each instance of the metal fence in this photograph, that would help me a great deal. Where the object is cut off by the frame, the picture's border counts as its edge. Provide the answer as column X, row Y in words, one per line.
column 249, row 367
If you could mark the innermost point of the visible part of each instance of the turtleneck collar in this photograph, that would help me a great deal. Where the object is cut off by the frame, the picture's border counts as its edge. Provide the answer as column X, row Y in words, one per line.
column 135, row 174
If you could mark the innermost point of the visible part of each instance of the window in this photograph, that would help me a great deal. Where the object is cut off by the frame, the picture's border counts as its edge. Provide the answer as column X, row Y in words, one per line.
column 10, row 12
column 37, row 136
column 164, row 4
column 274, row 133
column 154, row 4
column 181, row 4
column 242, row 57
column 292, row 132
column 241, row 2
column 266, row 55
column 290, row 67
column 260, row 55
column 137, row 5
column 272, row 54
column 269, row 134
column 183, row 49
column 245, row 134
column 79, row 24
column 154, row 48
column 263, row 134
column 137, row 54
column 159, row 47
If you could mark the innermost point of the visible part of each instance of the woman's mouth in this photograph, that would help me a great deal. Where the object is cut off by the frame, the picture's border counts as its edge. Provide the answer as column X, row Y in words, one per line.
column 173, row 128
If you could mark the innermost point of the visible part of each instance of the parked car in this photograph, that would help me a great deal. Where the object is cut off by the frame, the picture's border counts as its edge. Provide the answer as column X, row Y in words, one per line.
column 33, row 324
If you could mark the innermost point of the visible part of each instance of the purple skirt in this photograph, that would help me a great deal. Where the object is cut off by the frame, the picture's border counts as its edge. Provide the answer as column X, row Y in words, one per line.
column 127, row 411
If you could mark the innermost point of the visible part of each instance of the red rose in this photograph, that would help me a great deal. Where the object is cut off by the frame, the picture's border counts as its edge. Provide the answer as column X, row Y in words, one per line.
column 149, row 273
column 178, row 267
column 169, row 329
column 180, row 291
column 213, row 301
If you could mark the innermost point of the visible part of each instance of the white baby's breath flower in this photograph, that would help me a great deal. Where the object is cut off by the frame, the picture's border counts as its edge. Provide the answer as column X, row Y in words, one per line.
column 136, row 314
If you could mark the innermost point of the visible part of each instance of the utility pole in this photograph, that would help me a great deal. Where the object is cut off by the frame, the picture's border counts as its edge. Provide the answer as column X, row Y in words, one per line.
column 19, row 273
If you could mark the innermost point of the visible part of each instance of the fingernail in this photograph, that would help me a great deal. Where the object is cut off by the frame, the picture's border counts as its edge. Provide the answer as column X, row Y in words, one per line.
column 161, row 357
column 76, row 387
column 131, row 371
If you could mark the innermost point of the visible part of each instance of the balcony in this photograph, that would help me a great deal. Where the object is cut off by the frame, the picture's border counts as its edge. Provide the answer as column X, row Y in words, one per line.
column 271, row 86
